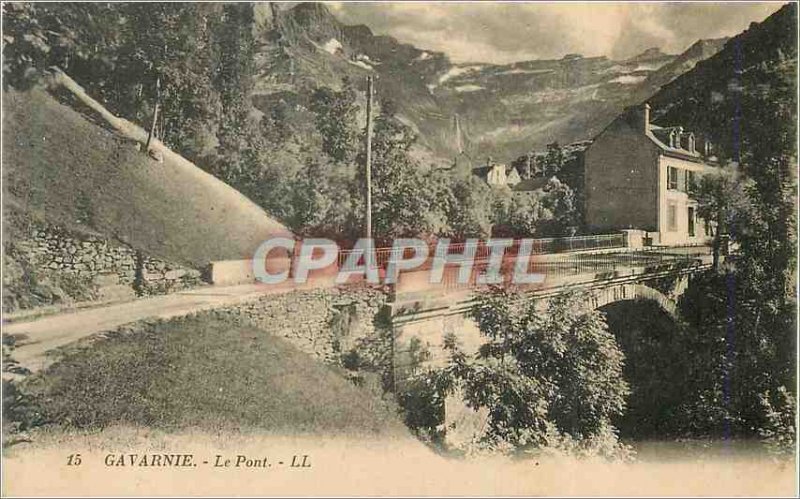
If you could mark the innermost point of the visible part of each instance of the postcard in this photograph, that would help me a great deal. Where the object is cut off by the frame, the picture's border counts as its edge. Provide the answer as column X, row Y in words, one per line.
column 273, row 249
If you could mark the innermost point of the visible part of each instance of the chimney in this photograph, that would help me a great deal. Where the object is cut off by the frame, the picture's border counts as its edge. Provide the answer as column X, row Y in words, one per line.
column 646, row 117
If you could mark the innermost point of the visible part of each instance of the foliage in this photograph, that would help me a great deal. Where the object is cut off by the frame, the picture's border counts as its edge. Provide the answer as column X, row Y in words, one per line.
column 744, row 316
column 560, row 200
column 553, row 161
column 658, row 366
column 335, row 115
column 733, row 351
column 556, row 372
column 320, row 204
column 469, row 208
column 20, row 412
column 119, row 51
column 422, row 398
column 722, row 201
column 780, row 432
column 404, row 199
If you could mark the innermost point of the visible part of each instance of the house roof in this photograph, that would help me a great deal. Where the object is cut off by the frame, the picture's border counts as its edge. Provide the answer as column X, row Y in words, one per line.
column 660, row 136
column 481, row 171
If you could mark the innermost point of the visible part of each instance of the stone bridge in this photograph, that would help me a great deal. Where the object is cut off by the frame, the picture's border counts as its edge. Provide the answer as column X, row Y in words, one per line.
column 423, row 314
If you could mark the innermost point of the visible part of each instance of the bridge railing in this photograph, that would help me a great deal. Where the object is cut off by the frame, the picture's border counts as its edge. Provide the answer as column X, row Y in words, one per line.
column 566, row 265
column 543, row 246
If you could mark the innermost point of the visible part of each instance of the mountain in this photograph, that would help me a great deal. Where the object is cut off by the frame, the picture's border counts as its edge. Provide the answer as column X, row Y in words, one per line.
column 505, row 110
column 502, row 110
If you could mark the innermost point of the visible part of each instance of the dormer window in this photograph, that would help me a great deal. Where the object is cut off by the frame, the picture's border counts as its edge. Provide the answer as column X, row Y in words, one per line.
column 672, row 135
column 690, row 143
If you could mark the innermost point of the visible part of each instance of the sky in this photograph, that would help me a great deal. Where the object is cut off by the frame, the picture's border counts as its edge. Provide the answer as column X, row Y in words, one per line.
column 508, row 32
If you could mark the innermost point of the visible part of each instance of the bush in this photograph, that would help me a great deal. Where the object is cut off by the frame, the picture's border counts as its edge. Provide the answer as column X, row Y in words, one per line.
column 549, row 380
column 780, row 432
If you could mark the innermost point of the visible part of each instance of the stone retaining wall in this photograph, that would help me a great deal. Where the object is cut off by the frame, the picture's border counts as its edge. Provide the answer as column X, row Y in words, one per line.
column 51, row 248
column 323, row 322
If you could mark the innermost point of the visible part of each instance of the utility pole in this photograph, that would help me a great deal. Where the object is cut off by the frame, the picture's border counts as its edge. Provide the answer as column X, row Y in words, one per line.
column 368, row 167
column 155, row 114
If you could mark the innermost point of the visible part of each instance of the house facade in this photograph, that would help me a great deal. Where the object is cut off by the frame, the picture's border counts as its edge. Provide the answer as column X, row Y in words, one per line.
column 639, row 175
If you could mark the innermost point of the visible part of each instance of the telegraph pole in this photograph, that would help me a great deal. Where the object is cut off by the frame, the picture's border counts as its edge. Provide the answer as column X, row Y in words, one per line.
column 368, row 167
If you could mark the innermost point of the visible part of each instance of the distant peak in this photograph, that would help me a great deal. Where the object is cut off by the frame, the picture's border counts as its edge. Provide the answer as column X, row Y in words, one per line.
column 649, row 54
column 704, row 48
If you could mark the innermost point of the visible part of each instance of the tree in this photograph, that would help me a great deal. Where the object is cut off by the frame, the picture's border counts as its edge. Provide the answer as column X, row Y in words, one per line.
column 336, row 114
column 559, row 199
column 469, row 208
column 553, row 161
column 544, row 374
column 233, row 70
column 117, row 52
column 518, row 216
column 723, row 203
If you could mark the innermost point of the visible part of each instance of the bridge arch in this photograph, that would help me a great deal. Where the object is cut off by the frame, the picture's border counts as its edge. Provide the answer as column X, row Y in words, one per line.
column 633, row 291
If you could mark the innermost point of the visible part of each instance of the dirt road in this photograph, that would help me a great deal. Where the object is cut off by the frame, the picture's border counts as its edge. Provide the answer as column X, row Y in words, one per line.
column 36, row 337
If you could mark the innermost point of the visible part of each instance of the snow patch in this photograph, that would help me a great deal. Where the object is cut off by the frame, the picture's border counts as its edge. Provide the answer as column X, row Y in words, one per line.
column 362, row 64
column 468, row 88
column 519, row 71
column 458, row 71
column 332, row 46
column 628, row 79
column 579, row 94
column 648, row 67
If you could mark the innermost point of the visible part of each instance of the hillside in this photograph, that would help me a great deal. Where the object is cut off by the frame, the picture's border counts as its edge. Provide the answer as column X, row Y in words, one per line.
column 503, row 110
column 203, row 373
column 62, row 166
column 740, row 87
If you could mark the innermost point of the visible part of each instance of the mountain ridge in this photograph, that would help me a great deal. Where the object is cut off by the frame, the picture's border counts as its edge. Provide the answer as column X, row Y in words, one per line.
column 503, row 110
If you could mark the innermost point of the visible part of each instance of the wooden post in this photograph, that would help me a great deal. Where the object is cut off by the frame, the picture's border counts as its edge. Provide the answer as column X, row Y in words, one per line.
column 368, row 169
column 155, row 115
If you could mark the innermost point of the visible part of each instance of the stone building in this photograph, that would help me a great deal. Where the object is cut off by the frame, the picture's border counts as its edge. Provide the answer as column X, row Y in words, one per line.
column 497, row 174
column 639, row 175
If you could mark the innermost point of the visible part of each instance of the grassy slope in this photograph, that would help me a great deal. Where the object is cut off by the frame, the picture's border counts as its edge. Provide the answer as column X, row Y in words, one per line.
column 61, row 167
column 207, row 374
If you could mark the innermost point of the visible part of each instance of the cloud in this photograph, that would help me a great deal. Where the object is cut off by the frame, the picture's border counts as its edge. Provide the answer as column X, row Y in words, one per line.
column 506, row 32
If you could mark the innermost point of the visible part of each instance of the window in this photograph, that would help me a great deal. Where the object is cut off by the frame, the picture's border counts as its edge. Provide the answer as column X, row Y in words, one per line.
column 672, row 217
column 691, row 221
column 689, row 181
column 672, row 178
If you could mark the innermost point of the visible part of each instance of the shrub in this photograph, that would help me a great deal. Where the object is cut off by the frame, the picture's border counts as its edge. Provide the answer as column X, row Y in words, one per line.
column 779, row 433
